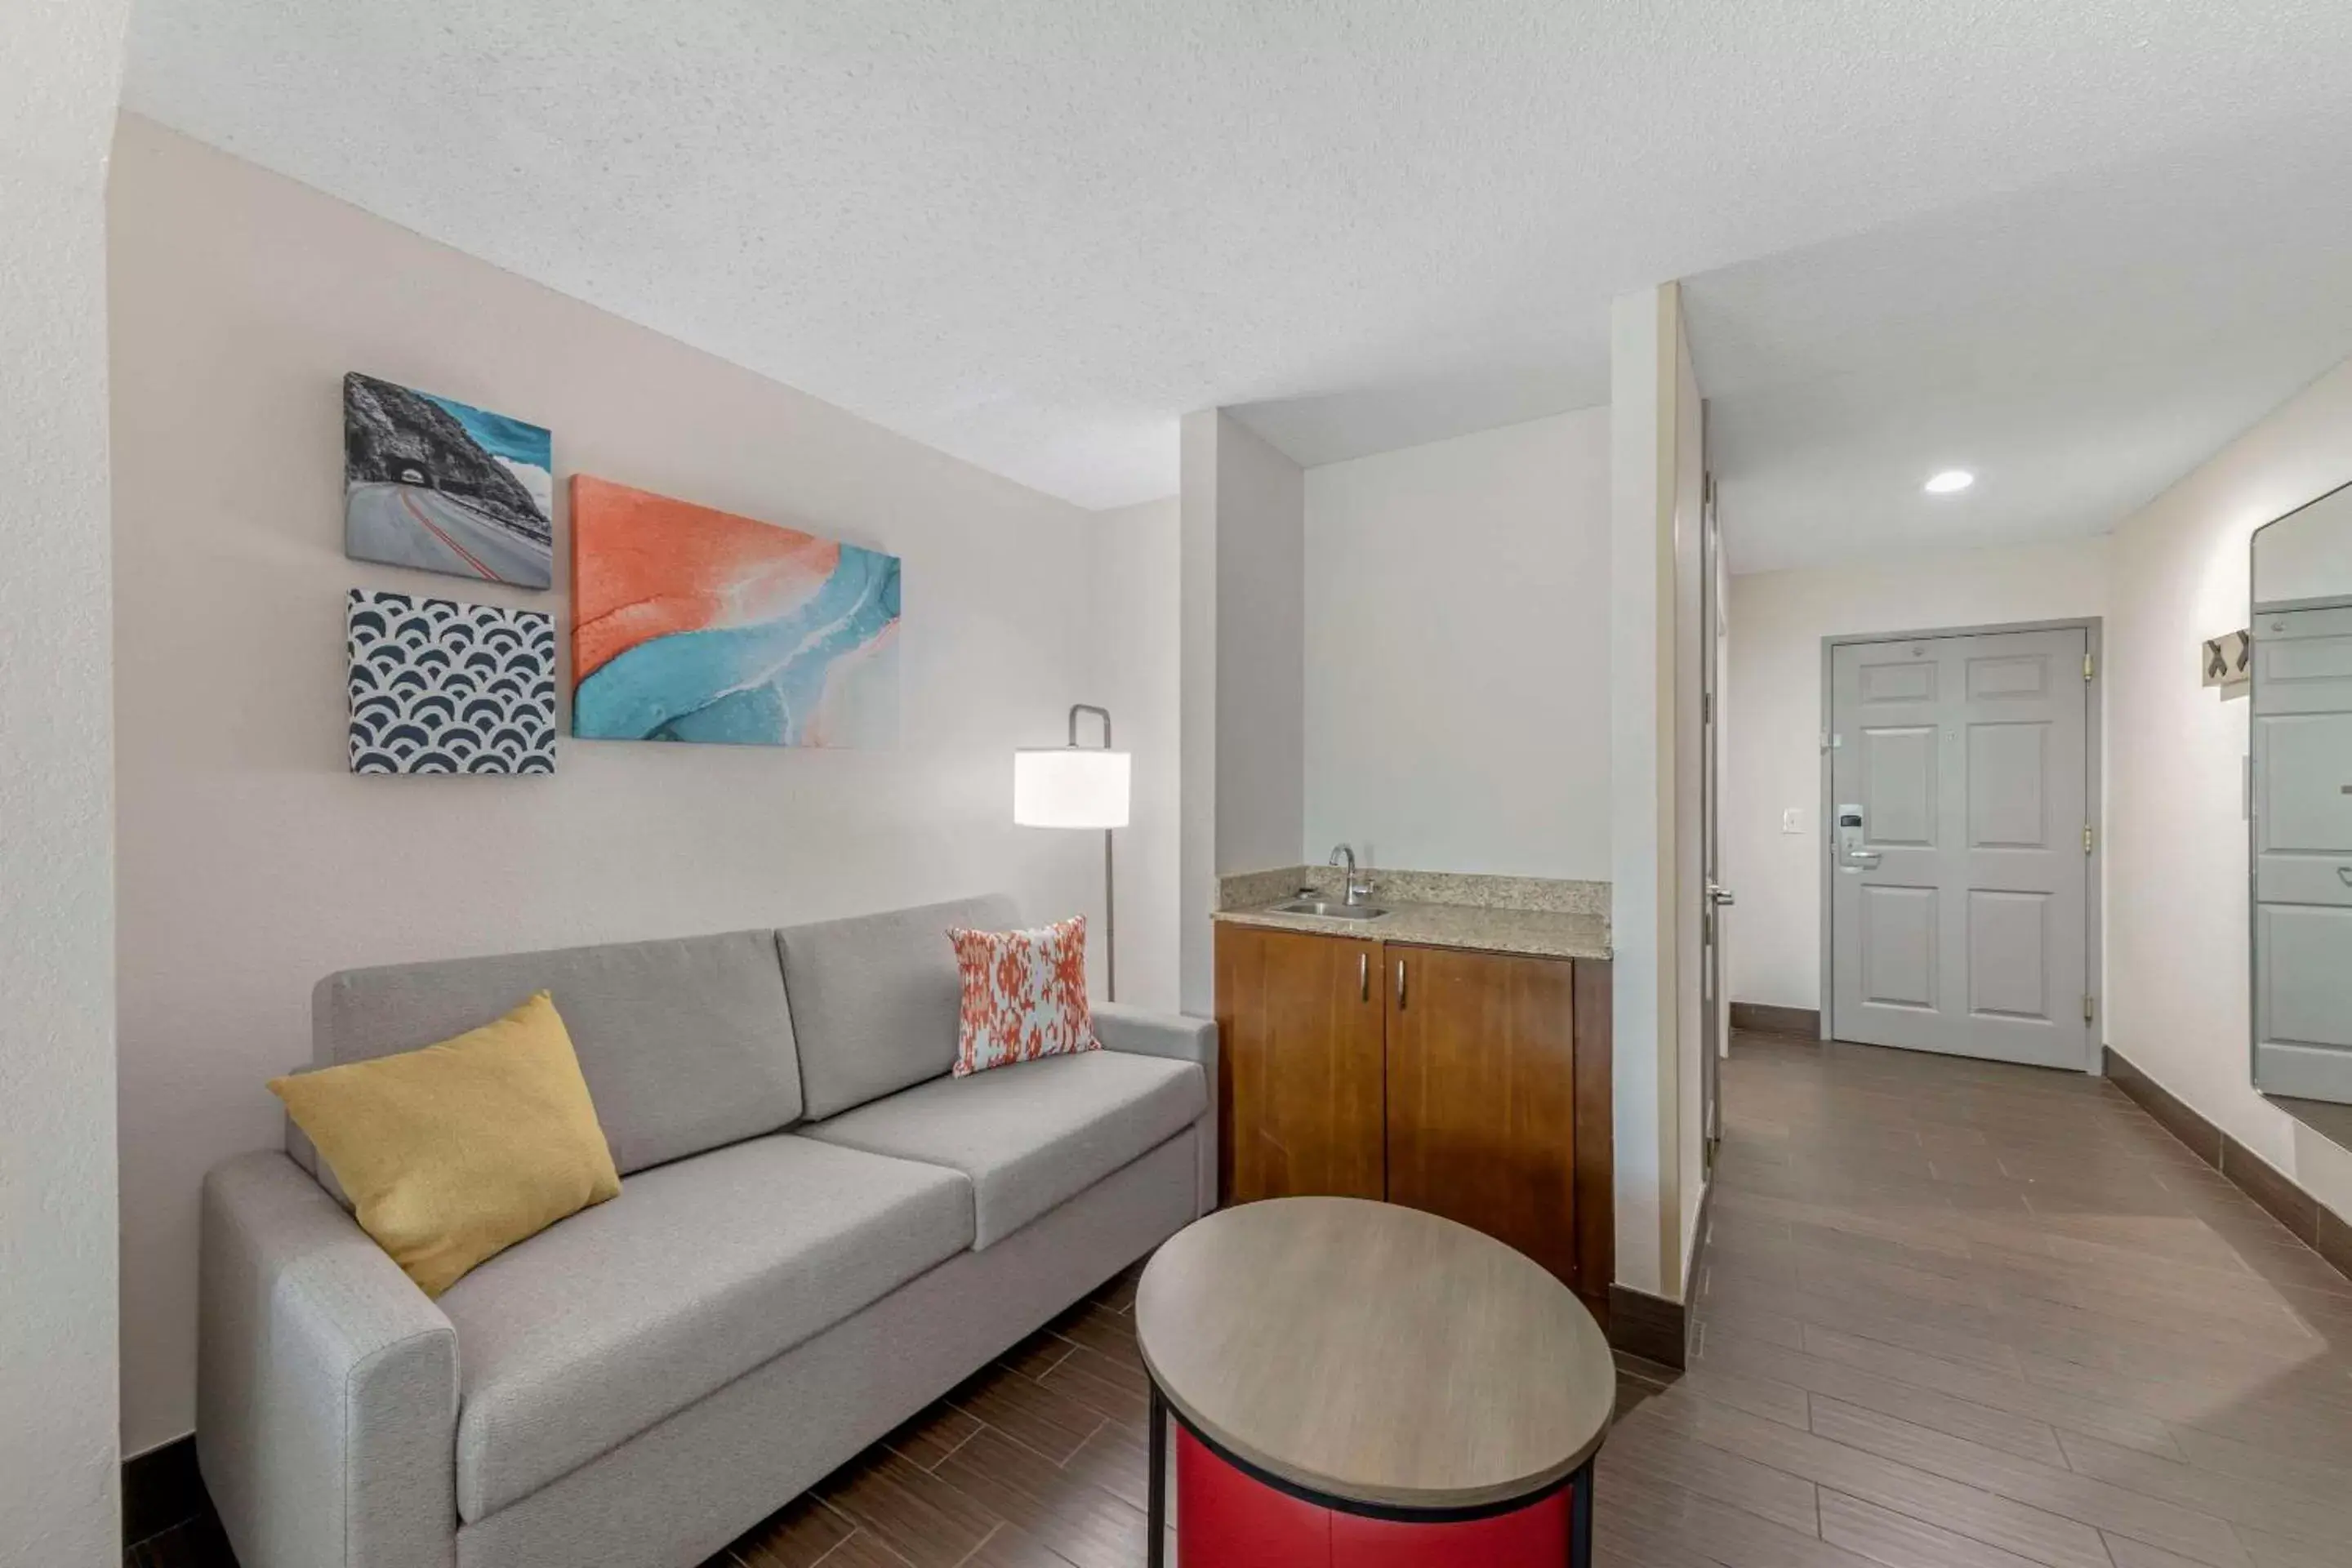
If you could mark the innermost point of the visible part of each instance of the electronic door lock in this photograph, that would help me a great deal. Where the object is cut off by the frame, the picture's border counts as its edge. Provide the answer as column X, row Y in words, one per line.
column 1852, row 856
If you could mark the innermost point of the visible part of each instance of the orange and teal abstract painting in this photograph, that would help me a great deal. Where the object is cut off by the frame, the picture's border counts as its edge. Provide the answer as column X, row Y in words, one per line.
column 690, row 624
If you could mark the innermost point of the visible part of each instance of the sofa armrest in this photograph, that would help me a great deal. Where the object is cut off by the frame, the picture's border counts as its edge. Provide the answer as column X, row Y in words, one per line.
column 1147, row 1033
column 326, row 1383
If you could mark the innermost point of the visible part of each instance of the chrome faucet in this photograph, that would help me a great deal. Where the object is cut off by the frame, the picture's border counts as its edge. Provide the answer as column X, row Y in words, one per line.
column 1357, row 892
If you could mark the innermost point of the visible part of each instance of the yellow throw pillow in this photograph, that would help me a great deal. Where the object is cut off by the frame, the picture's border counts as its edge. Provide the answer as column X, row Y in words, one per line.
column 454, row 1153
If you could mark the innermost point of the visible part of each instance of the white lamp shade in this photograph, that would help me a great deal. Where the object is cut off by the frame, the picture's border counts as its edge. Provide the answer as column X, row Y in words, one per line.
column 1069, row 786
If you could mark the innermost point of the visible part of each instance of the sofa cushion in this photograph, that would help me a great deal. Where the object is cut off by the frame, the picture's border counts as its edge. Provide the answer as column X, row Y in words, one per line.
column 590, row 1332
column 454, row 1153
column 1031, row 1135
column 686, row 1043
column 876, row 999
column 1025, row 994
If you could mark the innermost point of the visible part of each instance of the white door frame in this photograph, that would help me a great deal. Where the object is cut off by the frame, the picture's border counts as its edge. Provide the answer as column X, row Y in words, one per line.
column 2094, row 737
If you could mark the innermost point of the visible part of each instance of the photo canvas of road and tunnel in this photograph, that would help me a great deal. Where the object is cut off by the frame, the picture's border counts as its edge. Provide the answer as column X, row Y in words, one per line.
column 689, row 624
column 442, row 486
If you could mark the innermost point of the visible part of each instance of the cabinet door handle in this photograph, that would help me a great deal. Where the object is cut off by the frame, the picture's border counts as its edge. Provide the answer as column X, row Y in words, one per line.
column 1400, row 984
column 1363, row 977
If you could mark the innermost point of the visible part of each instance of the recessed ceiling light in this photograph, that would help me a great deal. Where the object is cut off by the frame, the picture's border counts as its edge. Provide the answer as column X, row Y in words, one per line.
column 1950, row 481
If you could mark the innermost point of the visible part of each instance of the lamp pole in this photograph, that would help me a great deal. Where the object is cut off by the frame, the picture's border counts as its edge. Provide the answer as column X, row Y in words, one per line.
column 1110, row 885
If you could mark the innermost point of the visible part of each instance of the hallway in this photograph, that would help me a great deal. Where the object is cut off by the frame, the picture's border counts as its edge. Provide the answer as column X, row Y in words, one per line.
column 1962, row 1315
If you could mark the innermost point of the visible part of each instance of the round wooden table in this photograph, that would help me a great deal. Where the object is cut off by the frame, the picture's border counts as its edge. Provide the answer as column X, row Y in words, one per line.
column 1368, row 1386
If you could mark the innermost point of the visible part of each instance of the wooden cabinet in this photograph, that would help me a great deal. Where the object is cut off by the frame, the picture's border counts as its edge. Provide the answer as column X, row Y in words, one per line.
column 1473, row 1085
column 1300, row 1026
column 1482, row 1095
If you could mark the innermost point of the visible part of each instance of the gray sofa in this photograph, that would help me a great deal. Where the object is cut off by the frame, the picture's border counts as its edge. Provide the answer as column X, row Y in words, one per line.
column 819, row 1232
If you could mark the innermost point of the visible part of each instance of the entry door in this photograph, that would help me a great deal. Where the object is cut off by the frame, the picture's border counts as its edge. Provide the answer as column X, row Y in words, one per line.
column 2303, row 853
column 1959, row 897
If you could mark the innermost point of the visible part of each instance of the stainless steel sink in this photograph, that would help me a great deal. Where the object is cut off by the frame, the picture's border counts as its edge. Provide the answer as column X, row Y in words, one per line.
column 1331, row 911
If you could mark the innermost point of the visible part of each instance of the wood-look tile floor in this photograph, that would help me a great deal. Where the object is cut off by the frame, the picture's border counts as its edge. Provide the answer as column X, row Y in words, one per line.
column 1953, row 1315
column 1960, row 1315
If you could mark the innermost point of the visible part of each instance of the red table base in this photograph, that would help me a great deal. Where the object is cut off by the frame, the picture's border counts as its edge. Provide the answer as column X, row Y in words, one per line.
column 1226, row 1519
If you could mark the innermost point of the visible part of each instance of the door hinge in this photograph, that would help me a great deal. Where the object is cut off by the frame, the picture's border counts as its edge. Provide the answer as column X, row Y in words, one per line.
column 2086, row 838
column 1707, row 707
column 2086, row 1006
column 2088, row 666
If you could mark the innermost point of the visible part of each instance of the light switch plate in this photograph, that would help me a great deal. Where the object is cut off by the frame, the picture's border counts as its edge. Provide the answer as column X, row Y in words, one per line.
column 1793, row 819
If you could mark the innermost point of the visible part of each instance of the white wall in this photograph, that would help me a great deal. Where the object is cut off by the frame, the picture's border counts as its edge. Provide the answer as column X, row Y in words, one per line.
column 252, row 862
column 1773, row 720
column 1242, row 563
column 1457, row 621
column 1261, row 653
column 1689, row 883
column 1196, row 621
column 60, row 68
column 1133, row 567
column 2177, row 955
column 1650, row 430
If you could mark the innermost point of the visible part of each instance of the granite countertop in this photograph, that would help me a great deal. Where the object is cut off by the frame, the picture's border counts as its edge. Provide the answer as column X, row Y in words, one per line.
column 1542, row 933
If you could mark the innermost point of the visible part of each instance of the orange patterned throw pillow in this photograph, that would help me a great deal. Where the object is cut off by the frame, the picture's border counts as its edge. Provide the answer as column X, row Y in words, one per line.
column 1025, row 994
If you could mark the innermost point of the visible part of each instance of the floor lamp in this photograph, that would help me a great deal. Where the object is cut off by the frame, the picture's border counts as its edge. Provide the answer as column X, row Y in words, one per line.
column 1078, row 786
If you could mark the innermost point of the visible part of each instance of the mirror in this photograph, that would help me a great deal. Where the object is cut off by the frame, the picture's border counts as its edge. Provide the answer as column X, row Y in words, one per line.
column 2304, row 560
column 2300, row 812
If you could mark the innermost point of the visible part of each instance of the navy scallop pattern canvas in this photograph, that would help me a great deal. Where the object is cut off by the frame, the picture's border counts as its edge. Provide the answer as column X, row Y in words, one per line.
column 443, row 688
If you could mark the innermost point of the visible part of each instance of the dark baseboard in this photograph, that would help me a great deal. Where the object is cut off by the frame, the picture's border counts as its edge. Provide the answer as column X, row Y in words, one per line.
column 1756, row 1017
column 1700, row 1235
column 2335, row 1243
column 2204, row 1139
column 2311, row 1223
column 1650, row 1326
column 160, row 1488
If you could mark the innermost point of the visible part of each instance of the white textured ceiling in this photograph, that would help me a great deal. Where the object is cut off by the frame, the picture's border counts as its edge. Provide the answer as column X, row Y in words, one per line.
column 1036, row 232
column 2079, row 345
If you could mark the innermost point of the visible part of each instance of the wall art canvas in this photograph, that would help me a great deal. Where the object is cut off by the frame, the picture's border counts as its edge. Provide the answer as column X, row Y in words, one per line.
column 442, row 486
column 695, row 624
column 443, row 687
